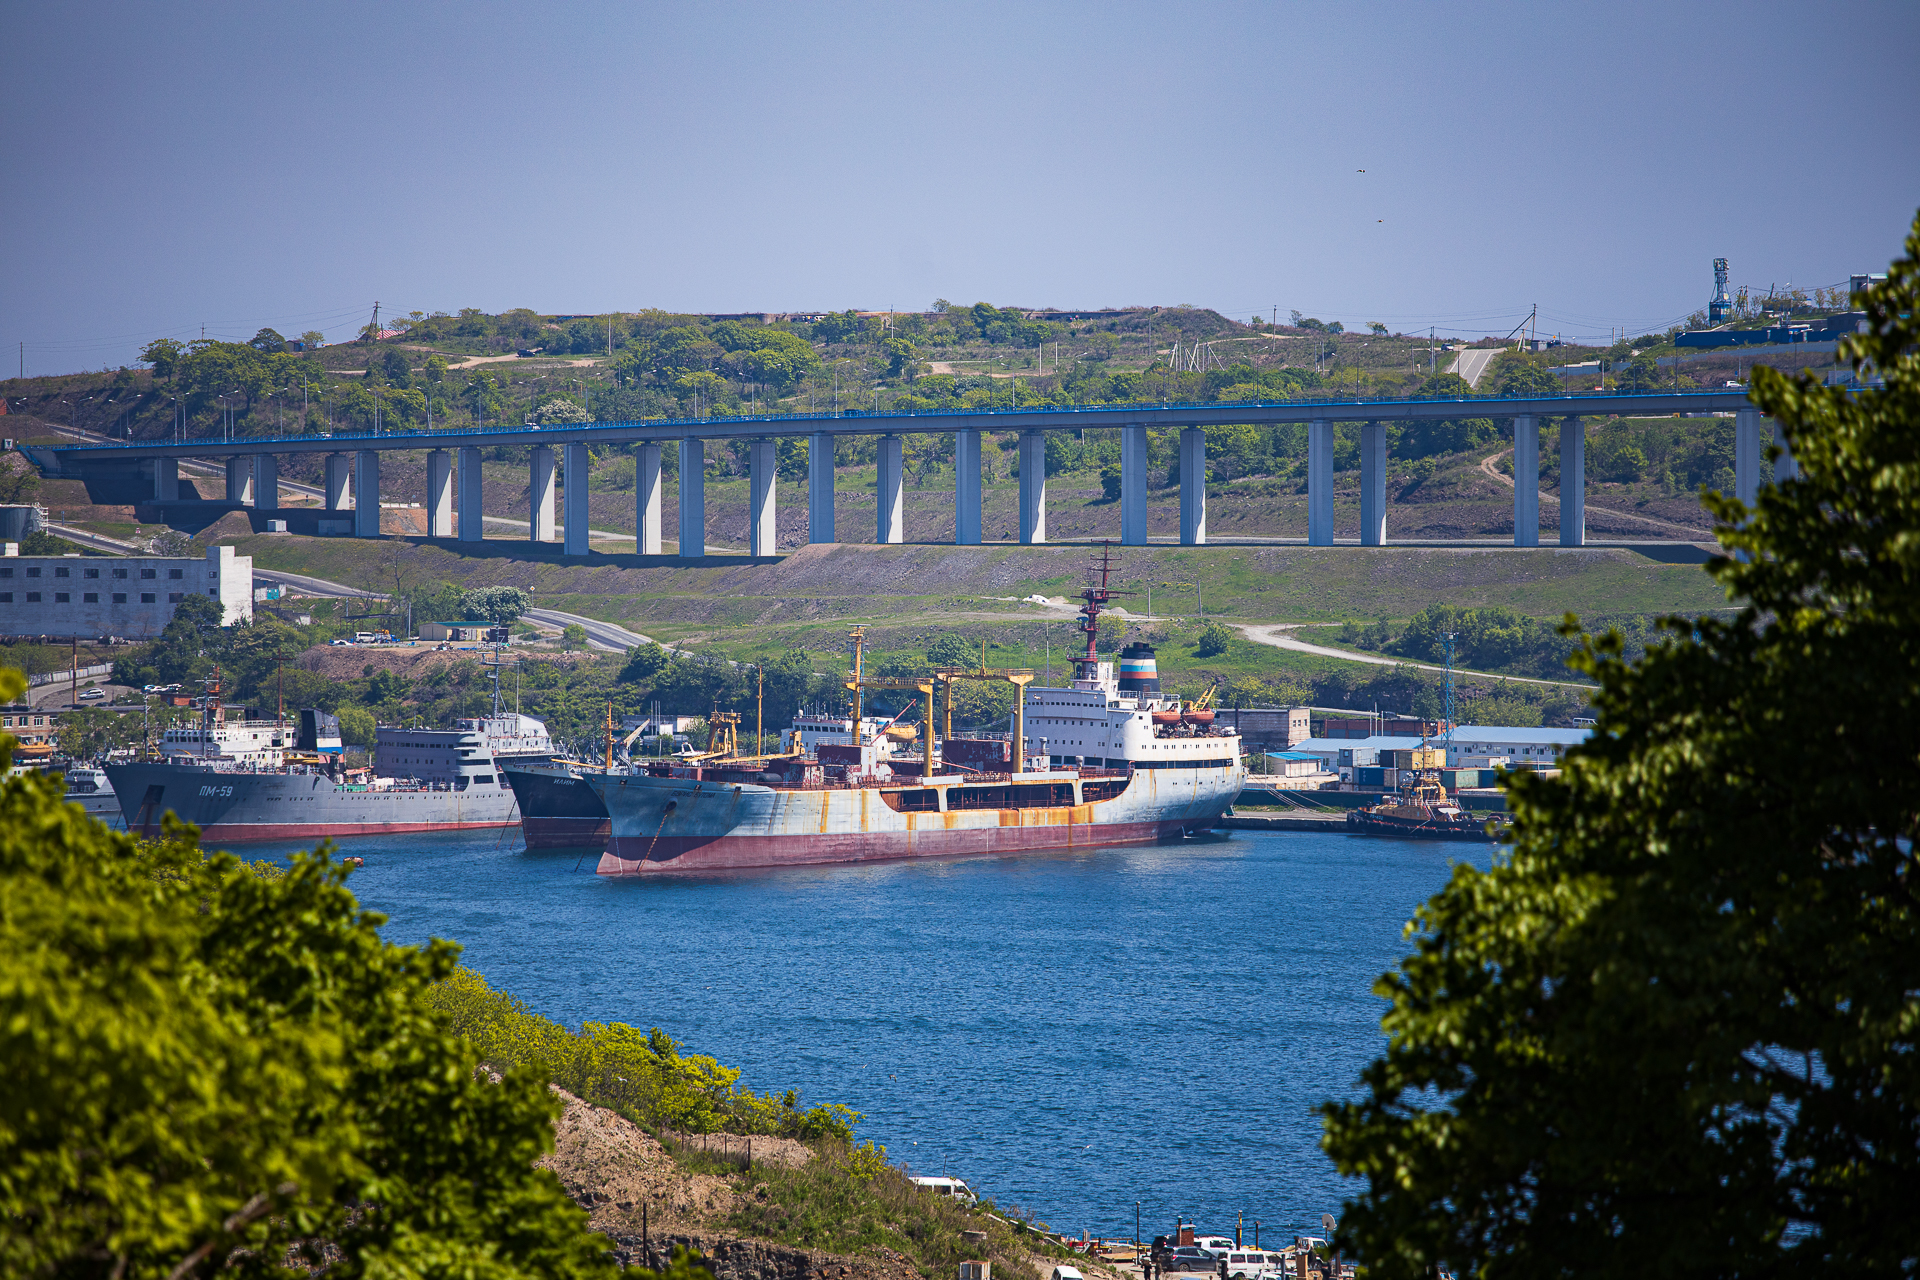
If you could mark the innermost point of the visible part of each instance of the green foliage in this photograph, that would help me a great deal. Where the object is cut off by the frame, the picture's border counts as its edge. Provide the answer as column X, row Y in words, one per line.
column 642, row 1075
column 1674, row 1027
column 356, row 726
column 951, row 649
column 573, row 636
column 1215, row 639
column 498, row 605
column 90, row 732
column 210, row 1067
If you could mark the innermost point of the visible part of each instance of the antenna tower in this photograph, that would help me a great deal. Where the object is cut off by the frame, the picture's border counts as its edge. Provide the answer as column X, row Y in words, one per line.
column 1720, row 310
column 1087, row 666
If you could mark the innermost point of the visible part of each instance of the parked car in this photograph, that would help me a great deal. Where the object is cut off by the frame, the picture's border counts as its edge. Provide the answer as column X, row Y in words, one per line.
column 945, row 1187
column 346, row 642
column 1191, row 1257
column 94, row 693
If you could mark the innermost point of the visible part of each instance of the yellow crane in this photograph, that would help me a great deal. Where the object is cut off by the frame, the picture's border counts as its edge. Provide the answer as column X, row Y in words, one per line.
column 1018, row 677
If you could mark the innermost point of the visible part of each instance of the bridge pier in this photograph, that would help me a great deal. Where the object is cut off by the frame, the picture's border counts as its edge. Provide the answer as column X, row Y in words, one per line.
column 1320, row 483
column 366, row 493
column 578, row 463
column 1746, row 454
column 762, row 525
column 1526, row 481
column 1193, row 487
column 646, row 500
column 473, row 525
column 966, row 488
column 439, row 494
column 1033, row 488
column 1134, row 454
column 1573, row 482
column 1785, row 467
column 240, row 480
column 336, row 483
column 1373, row 484
column 166, row 479
column 890, row 493
column 540, row 495
column 693, row 498
column 820, row 487
column 266, row 481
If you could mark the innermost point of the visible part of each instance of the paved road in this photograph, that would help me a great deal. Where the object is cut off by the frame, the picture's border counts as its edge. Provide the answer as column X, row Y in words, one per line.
column 1490, row 467
column 1472, row 363
column 1281, row 637
column 601, row 635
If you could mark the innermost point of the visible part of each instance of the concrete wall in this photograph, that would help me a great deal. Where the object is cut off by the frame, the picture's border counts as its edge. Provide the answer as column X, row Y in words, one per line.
column 119, row 588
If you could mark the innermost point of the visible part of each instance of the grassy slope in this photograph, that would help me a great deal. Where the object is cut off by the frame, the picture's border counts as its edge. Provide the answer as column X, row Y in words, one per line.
column 850, row 582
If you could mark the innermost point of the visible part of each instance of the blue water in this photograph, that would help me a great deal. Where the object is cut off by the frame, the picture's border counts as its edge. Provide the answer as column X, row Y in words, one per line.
column 1069, row 1033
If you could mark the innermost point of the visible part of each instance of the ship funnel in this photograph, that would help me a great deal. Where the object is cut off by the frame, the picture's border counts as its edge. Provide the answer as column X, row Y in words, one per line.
column 1139, row 674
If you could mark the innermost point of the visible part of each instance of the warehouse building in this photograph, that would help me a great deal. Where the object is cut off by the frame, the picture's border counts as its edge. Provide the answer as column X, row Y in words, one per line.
column 130, row 598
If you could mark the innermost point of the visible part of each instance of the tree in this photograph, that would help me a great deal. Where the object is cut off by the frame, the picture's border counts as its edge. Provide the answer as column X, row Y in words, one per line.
column 90, row 732
column 312, row 340
column 498, row 605
column 560, row 409
column 951, row 649
column 1215, row 640
column 1376, row 328
column 212, row 1066
column 572, row 636
column 267, row 340
column 164, row 355
column 356, row 726
column 1674, row 1029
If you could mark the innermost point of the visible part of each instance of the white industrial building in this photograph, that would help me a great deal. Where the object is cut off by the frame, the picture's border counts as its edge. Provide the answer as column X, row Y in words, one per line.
column 131, row 597
column 1470, row 745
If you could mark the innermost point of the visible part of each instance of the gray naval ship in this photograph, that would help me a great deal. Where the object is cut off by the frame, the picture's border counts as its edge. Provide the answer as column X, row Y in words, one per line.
column 241, row 781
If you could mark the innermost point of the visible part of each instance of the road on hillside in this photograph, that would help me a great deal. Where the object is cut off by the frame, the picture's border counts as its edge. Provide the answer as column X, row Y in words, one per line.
column 602, row 635
column 1490, row 467
column 1281, row 637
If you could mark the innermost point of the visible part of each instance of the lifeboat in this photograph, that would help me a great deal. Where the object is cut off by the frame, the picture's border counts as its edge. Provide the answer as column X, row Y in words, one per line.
column 1201, row 718
column 1166, row 719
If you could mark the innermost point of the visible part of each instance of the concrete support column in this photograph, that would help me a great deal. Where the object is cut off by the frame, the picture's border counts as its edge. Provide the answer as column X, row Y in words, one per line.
column 166, row 479
column 1746, row 454
column 240, row 480
column 820, row 487
column 966, row 488
column 1193, row 487
column 577, row 462
column 266, row 481
column 439, row 494
column 762, row 524
column 1033, row 488
column 890, row 517
column 646, row 500
column 1784, row 466
column 1573, row 482
column 693, row 498
column 540, row 494
column 336, row 486
column 473, row 525
column 1373, row 484
column 1133, row 486
column 366, row 494
column 1320, row 483
column 1526, row 481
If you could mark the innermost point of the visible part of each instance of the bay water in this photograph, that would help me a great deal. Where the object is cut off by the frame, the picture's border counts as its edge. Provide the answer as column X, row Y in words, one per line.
column 1075, row 1034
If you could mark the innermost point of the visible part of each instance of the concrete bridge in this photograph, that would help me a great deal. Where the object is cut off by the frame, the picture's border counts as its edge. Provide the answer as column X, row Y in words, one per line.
column 453, row 464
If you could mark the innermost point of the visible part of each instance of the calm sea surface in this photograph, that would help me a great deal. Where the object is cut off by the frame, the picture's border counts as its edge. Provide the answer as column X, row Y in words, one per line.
column 1071, row 1033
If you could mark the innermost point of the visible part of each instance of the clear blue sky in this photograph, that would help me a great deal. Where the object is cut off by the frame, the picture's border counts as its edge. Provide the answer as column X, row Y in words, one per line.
column 168, row 167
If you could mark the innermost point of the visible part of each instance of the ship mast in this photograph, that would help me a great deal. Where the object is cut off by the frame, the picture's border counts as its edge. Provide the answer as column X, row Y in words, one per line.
column 1087, row 666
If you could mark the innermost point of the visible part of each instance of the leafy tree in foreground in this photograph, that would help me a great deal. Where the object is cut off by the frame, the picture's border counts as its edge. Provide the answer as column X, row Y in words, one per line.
column 1676, row 1029
column 209, row 1065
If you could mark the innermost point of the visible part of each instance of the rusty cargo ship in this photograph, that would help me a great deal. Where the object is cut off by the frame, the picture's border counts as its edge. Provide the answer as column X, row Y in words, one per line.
column 1105, row 760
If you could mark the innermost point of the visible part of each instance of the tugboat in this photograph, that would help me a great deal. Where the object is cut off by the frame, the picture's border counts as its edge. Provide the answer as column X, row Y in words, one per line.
column 1421, row 812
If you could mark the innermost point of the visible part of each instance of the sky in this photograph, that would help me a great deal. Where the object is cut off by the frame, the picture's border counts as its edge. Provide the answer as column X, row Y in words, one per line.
column 170, row 170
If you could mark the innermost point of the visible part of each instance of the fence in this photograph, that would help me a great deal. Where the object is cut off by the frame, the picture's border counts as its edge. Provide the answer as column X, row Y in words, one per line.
column 55, row 677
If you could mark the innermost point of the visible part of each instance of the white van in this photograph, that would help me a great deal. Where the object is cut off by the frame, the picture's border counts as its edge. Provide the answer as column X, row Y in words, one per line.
column 946, row 1187
column 1253, row 1264
column 1066, row 1273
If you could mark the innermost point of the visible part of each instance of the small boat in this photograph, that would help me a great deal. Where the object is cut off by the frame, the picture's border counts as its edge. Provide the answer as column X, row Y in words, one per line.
column 1201, row 717
column 1422, row 814
column 1166, row 719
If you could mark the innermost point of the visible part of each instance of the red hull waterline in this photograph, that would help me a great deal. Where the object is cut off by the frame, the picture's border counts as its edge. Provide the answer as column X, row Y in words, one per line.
column 639, row 856
column 248, row 832
column 567, row 833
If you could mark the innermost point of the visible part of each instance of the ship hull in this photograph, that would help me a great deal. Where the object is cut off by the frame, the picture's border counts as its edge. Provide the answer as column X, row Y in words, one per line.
column 1362, row 822
column 558, row 811
column 238, row 808
column 672, row 825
